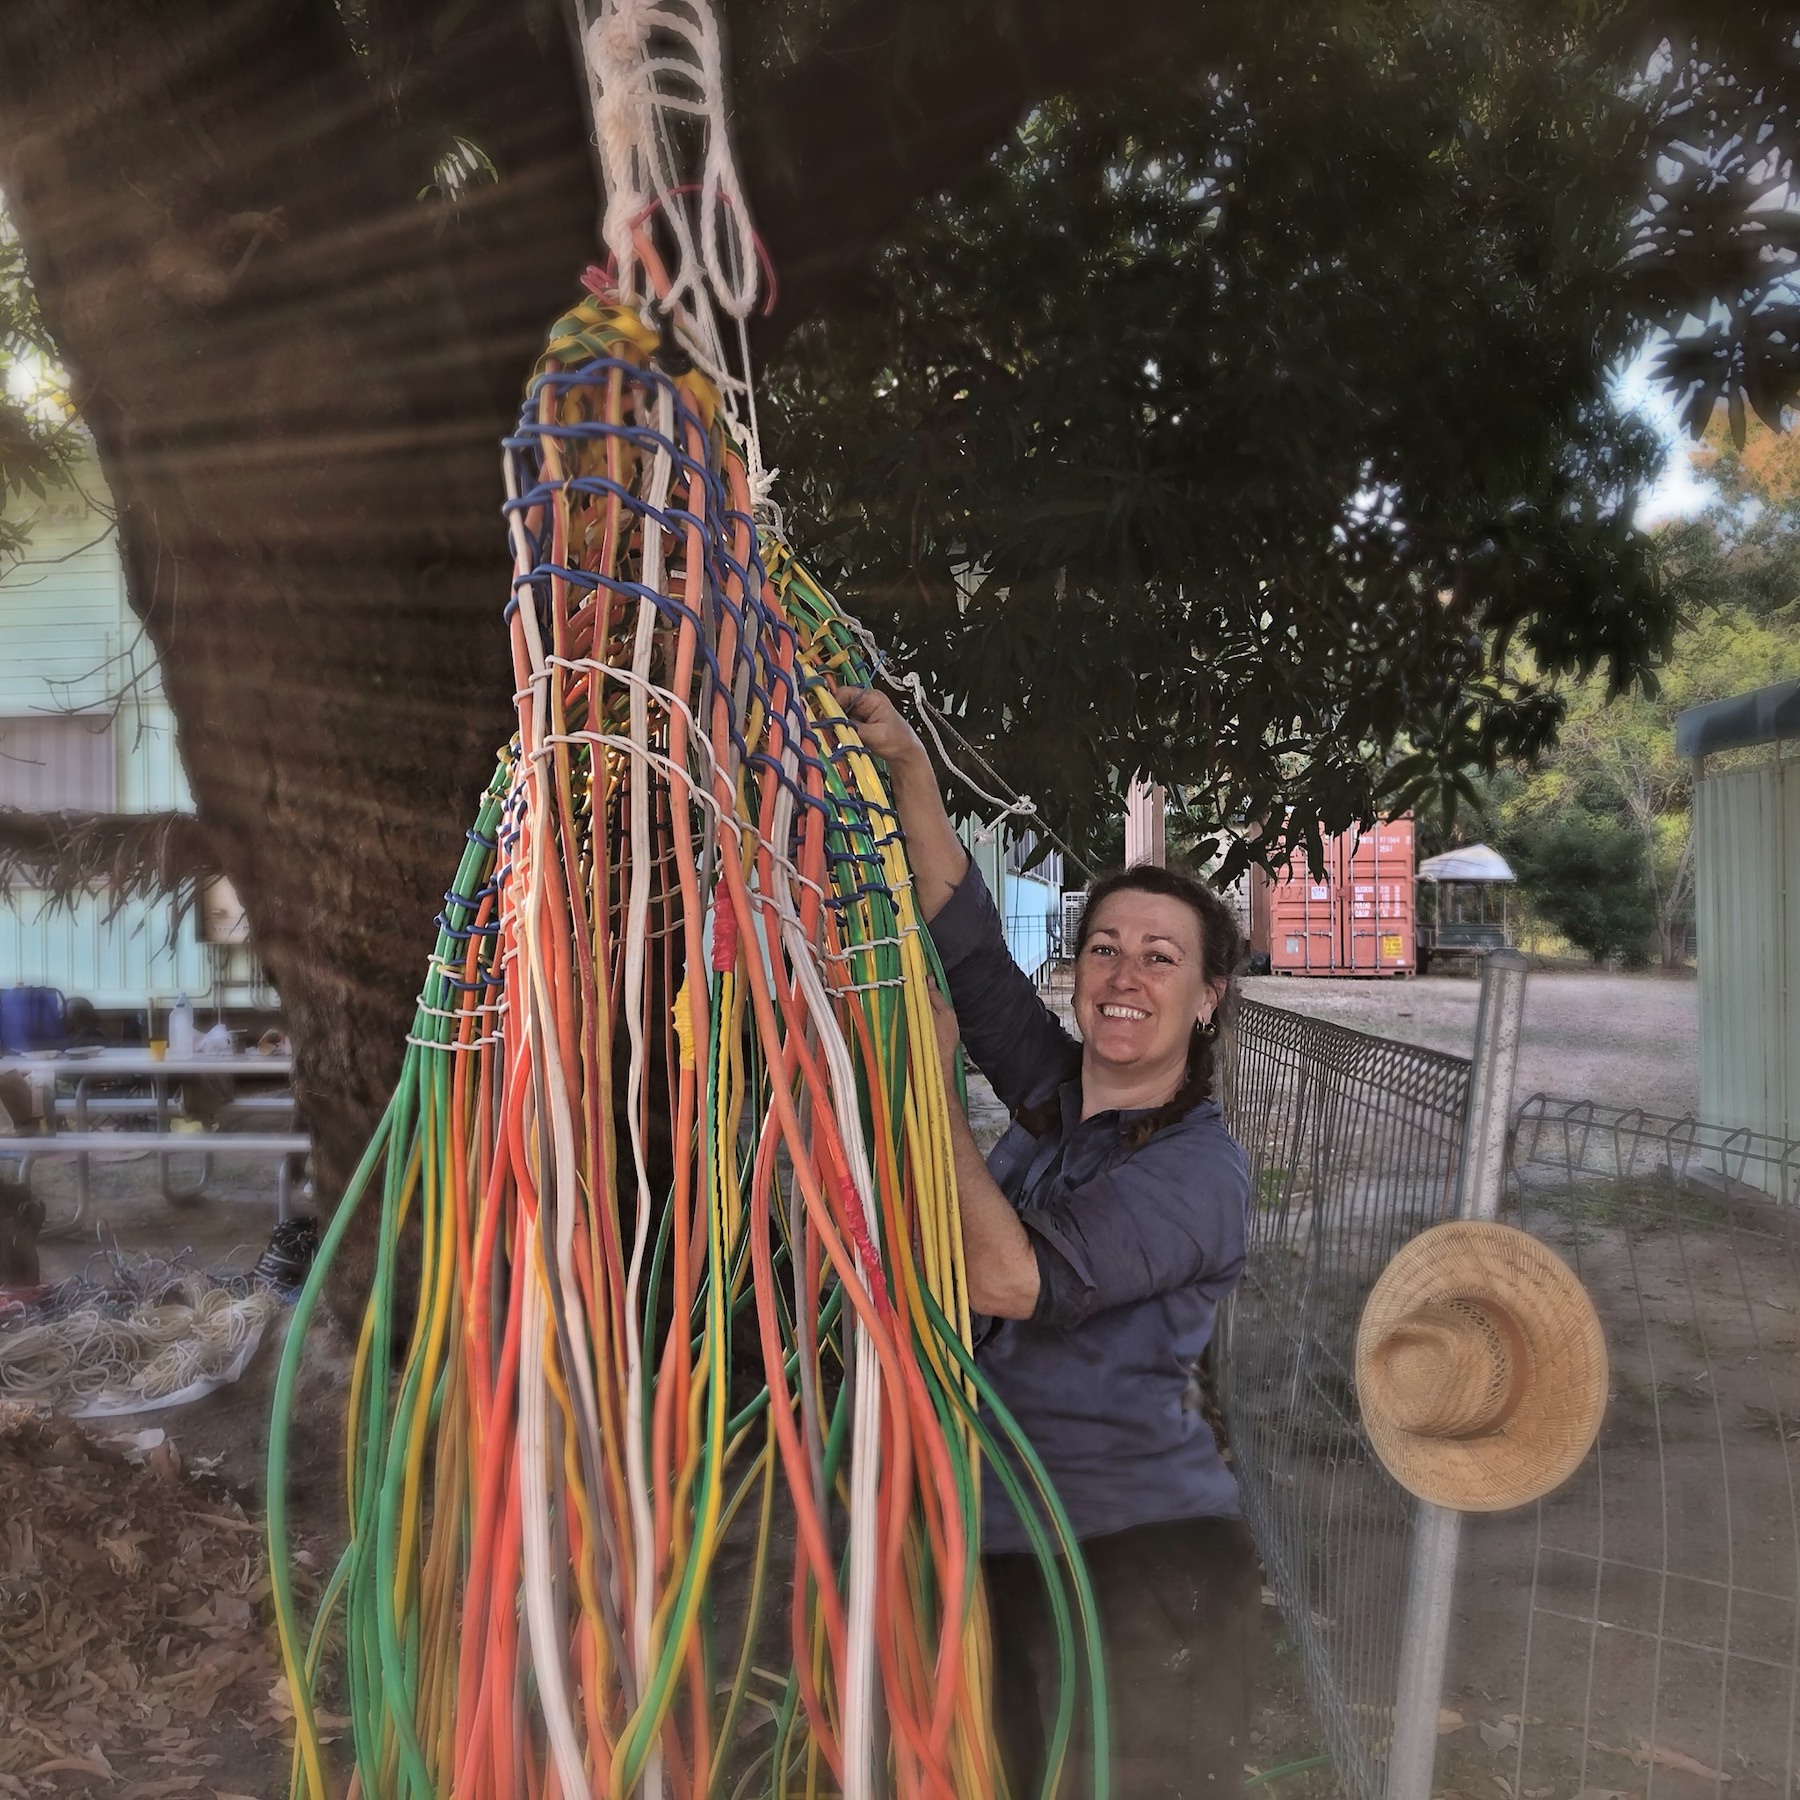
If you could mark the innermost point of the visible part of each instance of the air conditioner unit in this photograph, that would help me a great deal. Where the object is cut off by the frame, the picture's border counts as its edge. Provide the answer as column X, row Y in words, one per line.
column 222, row 919
column 1074, row 904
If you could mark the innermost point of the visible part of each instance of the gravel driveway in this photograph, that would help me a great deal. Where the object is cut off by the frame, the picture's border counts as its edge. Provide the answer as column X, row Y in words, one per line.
column 1623, row 1040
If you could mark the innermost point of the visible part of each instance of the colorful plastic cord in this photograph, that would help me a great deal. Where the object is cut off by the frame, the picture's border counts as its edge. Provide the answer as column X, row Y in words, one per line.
column 665, row 1479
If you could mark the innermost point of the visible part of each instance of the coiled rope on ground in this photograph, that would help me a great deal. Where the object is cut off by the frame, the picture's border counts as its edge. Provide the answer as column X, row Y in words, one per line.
column 93, row 1351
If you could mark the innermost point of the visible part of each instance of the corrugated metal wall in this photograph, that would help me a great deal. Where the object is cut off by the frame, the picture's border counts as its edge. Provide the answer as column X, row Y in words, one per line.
column 118, row 963
column 84, row 724
column 1747, row 901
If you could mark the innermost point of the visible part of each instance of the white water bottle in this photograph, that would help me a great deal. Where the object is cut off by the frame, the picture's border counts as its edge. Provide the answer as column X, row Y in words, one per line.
column 181, row 1028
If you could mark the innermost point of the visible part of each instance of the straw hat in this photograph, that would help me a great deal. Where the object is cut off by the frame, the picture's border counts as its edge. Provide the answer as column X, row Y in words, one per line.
column 1481, row 1367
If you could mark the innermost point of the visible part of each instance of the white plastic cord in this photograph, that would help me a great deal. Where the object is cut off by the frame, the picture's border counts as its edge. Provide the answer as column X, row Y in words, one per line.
column 548, row 1111
column 1019, row 806
column 647, row 62
column 865, row 1418
column 636, row 939
column 655, row 77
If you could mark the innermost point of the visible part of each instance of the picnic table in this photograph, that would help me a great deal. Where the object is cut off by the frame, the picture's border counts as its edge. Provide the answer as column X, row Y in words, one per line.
column 131, row 1086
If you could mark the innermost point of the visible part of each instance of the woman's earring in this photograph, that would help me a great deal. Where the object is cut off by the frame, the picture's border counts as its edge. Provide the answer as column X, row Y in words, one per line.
column 1209, row 1027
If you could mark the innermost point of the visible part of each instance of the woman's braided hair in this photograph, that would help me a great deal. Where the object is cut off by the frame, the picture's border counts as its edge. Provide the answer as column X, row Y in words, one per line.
column 1221, row 950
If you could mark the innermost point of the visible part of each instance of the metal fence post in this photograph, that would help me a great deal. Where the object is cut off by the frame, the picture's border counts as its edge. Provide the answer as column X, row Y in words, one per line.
column 1431, row 1571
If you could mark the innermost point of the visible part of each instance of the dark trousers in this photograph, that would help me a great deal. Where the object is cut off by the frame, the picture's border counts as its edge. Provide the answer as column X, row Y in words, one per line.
column 1179, row 1617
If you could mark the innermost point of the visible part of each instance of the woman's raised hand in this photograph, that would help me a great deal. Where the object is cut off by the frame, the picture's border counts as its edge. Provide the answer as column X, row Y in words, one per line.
column 938, row 859
column 884, row 732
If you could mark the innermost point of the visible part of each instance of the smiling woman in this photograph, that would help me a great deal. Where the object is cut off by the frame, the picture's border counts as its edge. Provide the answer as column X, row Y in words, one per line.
column 1100, row 1237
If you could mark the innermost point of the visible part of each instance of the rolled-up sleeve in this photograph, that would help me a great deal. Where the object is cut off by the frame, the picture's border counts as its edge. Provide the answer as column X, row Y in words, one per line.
column 1009, row 1033
column 1172, row 1214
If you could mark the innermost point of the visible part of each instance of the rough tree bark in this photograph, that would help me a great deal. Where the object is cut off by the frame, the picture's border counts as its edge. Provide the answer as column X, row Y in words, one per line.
column 296, row 371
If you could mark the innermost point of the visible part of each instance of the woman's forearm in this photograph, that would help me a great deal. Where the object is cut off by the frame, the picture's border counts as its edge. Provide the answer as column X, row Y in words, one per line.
column 938, row 858
column 1002, row 1267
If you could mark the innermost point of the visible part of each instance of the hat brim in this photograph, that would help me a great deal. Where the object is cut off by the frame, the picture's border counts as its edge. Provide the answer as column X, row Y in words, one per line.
column 1563, row 1395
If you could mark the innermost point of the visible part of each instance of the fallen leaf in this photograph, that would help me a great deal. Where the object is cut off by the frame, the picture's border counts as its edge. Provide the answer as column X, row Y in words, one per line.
column 1539, row 1793
column 1498, row 1737
column 1449, row 1719
column 79, row 1765
column 221, row 1794
column 1671, row 1758
column 1610, row 1794
column 122, row 1551
column 1505, row 1786
column 281, row 1699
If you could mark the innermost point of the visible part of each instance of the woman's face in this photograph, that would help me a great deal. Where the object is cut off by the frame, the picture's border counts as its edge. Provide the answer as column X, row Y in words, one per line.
column 1140, row 986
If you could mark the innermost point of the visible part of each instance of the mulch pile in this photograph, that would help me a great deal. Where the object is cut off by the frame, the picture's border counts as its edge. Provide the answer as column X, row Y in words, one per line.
column 136, row 1655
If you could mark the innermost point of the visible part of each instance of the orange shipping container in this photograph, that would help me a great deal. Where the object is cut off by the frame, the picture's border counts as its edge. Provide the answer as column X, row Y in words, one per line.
column 1356, row 920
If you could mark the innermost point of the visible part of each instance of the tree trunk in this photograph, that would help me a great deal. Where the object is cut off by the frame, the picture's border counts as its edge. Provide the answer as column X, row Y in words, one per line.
column 1681, row 894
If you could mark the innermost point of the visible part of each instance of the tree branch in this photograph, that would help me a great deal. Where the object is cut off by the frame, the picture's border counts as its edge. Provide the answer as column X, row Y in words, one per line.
column 891, row 105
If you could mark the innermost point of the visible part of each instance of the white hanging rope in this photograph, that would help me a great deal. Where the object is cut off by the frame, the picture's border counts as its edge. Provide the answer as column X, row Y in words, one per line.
column 648, row 61
column 651, row 63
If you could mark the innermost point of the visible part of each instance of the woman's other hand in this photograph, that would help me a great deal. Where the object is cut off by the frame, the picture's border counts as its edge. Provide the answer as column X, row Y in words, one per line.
column 878, row 721
column 949, row 1033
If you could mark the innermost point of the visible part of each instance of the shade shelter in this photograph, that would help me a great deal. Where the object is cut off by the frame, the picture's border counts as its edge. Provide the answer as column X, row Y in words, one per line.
column 1468, row 911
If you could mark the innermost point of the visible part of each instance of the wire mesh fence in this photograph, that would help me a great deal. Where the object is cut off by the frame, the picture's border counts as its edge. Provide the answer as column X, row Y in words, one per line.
column 1355, row 1145
column 1036, row 942
column 1638, row 1632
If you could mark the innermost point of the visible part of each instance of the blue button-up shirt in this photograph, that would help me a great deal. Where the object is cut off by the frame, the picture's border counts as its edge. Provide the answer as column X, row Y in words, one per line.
column 1135, row 1249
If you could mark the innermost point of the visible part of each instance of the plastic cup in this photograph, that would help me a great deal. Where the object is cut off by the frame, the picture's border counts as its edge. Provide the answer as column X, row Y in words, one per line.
column 159, row 1048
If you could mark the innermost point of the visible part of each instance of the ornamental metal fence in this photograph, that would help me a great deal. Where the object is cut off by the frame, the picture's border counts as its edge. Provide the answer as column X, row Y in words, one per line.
column 1637, row 1633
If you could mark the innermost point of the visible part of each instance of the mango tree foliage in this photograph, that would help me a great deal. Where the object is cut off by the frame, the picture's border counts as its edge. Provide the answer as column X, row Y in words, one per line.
column 1245, row 429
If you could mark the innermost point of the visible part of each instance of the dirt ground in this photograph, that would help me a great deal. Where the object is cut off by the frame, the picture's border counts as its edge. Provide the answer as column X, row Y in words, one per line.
column 184, row 1694
column 1650, row 1603
column 1630, row 1040
column 1635, row 1635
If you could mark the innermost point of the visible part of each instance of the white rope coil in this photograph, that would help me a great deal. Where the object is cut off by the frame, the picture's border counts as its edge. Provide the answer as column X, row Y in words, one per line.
column 94, row 1361
column 650, row 62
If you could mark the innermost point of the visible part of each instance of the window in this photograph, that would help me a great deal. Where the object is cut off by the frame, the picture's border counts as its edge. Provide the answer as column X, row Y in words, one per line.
column 58, row 762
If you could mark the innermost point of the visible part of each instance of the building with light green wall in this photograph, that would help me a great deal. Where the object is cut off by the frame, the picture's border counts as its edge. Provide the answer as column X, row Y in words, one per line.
column 1746, row 759
column 85, row 727
column 1030, row 902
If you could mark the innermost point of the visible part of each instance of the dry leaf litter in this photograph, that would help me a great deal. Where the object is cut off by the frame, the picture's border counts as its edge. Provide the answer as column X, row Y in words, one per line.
column 134, row 1635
